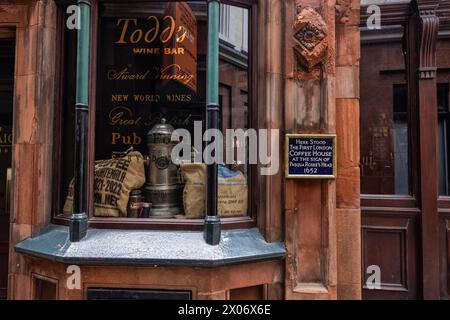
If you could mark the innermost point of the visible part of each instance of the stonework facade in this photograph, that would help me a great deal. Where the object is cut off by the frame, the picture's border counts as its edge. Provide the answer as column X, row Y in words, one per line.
column 302, row 49
column 306, row 80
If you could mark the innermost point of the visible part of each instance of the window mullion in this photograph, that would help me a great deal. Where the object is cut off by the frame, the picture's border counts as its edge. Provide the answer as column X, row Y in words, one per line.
column 212, row 219
column 78, row 221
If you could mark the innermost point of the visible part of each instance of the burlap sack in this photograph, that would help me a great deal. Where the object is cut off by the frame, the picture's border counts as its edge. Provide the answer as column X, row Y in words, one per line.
column 113, row 181
column 232, row 192
column 194, row 177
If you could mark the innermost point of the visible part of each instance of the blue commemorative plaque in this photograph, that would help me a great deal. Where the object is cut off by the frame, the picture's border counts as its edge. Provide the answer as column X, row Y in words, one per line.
column 310, row 156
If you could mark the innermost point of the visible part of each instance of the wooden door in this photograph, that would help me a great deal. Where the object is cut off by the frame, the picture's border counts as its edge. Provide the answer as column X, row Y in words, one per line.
column 404, row 157
column 390, row 213
column 6, row 108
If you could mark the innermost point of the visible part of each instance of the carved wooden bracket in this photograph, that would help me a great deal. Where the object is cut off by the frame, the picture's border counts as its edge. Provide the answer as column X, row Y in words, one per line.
column 310, row 38
column 429, row 27
column 343, row 10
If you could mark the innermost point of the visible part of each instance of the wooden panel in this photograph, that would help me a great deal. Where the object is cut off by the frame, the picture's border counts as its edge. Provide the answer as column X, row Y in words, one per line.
column 421, row 65
column 448, row 256
column 389, row 241
column 444, row 248
column 309, row 232
column 248, row 293
column 3, row 268
column 388, row 201
column 44, row 288
column 384, row 243
column 444, row 202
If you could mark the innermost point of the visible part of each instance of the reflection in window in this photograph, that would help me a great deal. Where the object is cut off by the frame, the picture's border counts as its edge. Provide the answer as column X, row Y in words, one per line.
column 233, row 27
column 151, row 65
column 233, row 75
column 384, row 113
column 443, row 138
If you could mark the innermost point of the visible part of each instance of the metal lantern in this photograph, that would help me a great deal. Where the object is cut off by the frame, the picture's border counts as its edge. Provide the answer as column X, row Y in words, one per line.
column 163, row 187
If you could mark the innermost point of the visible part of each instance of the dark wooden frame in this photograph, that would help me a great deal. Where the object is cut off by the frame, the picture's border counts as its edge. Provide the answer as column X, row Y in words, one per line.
column 247, row 221
column 36, row 287
column 397, row 14
column 424, row 208
column 401, row 210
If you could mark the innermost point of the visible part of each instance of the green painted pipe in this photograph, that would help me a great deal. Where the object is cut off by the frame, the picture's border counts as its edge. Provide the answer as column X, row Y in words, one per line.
column 213, row 52
column 82, row 89
column 79, row 219
column 212, row 220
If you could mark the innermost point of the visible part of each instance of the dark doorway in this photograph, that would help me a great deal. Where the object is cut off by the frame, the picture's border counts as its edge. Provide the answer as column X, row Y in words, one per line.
column 7, row 48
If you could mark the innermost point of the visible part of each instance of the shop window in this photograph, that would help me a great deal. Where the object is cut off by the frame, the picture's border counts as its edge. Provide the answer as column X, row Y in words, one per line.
column 384, row 115
column 149, row 77
column 65, row 124
column 443, row 138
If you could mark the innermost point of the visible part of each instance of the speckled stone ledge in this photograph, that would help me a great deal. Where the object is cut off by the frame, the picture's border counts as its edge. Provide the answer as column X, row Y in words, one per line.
column 162, row 248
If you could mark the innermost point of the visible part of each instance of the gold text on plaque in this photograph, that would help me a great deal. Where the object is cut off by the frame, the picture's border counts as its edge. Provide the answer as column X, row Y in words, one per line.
column 130, row 34
column 124, row 116
column 124, row 74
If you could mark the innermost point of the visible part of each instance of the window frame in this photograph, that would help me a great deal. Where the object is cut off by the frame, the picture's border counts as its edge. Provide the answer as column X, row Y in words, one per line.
column 247, row 221
column 444, row 115
column 406, row 201
column 401, row 14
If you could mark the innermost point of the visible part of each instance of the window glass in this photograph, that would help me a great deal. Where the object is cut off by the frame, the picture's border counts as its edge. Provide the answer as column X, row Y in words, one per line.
column 66, row 117
column 151, row 80
column 6, row 109
column 384, row 113
column 233, row 71
column 443, row 138
column 151, row 65
column 443, row 83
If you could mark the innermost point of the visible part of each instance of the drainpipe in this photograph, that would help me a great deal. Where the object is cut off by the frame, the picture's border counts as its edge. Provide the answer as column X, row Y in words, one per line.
column 79, row 219
column 212, row 220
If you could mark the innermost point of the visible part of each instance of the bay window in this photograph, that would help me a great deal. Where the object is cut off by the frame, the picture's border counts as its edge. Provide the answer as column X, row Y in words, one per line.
column 148, row 72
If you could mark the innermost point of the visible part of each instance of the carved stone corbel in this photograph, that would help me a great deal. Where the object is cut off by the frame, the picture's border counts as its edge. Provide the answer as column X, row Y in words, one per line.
column 310, row 43
column 343, row 10
column 428, row 36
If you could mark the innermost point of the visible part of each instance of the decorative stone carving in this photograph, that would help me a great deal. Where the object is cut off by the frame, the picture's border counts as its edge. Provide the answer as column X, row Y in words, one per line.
column 343, row 10
column 310, row 37
column 429, row 27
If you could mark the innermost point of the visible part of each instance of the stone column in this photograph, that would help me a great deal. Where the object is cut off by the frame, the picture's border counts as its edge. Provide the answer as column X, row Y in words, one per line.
column 32, row 130
column 310, row 212
column 269, row 46
column 348, row 212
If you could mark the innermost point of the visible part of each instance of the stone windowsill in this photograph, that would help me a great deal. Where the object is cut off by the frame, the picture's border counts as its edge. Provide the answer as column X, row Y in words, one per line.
column 156, row 248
